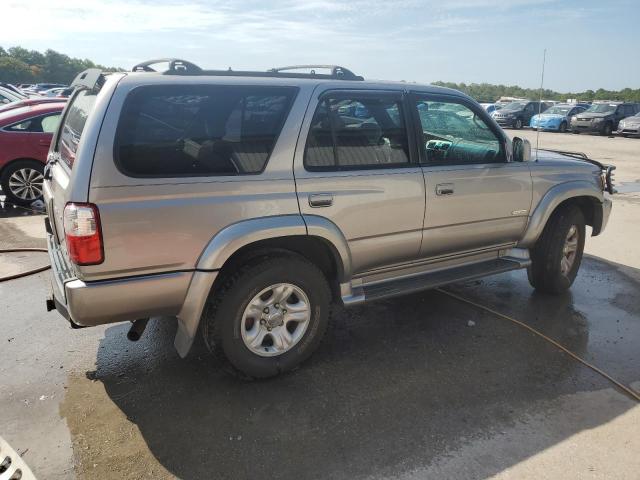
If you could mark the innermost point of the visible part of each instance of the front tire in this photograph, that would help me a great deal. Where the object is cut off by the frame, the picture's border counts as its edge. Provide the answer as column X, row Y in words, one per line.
column 607, row 129
column 556, row 257
column 563, row 127
column 517, row 124
column 22, row 182
column 269, row 316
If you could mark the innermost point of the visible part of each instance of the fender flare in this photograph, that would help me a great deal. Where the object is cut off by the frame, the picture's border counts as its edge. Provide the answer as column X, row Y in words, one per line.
column 550, row 201
column 229, row 240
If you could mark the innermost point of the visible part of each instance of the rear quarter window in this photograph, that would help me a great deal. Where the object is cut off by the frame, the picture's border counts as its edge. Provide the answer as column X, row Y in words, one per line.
column 182, row 130
column 73, row 125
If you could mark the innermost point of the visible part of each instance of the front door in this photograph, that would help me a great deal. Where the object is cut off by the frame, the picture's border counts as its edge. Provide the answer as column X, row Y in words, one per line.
column 358, row 171
column 476, row 199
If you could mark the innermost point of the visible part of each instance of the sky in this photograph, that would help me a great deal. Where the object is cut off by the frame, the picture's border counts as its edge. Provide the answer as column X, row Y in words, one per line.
column 590, row 44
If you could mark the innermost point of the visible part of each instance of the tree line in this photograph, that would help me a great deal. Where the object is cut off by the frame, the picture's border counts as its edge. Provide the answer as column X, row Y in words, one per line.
column 19, row 65
column 485, row 92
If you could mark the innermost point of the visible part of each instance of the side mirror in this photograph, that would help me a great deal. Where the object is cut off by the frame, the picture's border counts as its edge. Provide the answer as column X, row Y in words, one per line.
column 521, row 149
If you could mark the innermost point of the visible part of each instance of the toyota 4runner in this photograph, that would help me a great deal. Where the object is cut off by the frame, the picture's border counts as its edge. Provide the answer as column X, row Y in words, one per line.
column 245, row 203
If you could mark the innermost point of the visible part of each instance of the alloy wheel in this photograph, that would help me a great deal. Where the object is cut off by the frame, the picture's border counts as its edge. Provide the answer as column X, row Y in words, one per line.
column 26, row 184
column 275, row 320
column 569, row 250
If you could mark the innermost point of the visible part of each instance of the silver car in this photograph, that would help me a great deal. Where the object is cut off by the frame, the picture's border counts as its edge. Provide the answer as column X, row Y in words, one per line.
column 244, row 204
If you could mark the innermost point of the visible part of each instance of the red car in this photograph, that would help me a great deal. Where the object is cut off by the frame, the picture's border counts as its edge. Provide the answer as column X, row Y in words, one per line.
column 30, row 101
column 25, row 136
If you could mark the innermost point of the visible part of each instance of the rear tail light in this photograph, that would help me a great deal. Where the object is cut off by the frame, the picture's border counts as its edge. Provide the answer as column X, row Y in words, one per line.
column 83, row 234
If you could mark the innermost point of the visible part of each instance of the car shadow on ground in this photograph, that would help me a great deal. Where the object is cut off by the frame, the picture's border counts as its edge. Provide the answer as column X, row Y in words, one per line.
column 9, row 210
column 397, row 385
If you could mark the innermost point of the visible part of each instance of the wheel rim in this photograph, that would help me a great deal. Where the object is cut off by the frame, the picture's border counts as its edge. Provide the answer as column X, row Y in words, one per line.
column 518, row 124
column 275, row 320
column 569, row 250
column 26, row 184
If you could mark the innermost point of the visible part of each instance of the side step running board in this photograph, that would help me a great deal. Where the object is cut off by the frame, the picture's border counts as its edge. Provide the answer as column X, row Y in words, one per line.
column 430, row 280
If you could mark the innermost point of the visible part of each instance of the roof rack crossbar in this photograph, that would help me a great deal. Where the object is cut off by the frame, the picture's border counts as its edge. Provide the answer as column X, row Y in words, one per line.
column 337, row 71
column 176, row 66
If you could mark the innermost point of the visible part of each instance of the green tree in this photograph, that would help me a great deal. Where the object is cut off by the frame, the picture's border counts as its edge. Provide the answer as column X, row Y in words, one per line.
column 13, row 70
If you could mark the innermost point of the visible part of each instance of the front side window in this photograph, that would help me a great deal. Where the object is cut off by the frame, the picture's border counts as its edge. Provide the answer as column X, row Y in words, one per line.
column 364, row 132
column 454, row 135
column 184, row 130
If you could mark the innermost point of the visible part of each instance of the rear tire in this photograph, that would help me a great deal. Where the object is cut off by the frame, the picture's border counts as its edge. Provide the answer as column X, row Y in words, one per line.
column 22, row 182
column 556, row 256
column 253, row 343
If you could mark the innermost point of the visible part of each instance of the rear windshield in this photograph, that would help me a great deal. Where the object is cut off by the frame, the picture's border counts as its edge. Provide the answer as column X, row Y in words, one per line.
column 73, row 125
column 183, row 130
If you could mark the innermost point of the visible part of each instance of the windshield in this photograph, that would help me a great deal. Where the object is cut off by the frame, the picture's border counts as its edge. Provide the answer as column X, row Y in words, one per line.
column 515, row 106
column 558, row 110
column 602, row 108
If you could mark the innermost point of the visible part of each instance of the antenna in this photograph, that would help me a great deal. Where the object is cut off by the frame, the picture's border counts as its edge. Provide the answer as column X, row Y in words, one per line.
column 544, row 58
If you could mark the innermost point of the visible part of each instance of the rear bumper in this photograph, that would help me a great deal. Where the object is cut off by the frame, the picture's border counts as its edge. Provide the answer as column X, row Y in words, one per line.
column 108, row 301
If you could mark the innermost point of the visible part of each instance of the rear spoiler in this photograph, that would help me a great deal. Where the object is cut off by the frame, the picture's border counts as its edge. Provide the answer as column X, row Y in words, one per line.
column 607, row 170
column 91, row 78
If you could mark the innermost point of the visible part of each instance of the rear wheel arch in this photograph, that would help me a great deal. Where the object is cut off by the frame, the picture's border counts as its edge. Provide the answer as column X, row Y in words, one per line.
column 315, row 249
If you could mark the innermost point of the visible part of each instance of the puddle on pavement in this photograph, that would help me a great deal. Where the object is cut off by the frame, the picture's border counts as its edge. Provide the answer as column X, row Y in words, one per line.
column 105, row 443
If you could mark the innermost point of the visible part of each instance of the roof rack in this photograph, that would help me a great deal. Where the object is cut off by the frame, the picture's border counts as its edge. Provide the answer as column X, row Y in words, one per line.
column 183, row 67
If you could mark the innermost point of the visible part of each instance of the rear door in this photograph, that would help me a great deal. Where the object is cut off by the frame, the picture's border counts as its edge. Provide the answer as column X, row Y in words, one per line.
column 357, row 169
column 476, row 198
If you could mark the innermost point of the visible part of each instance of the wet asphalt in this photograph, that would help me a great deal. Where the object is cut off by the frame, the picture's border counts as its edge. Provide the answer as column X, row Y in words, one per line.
column 397, row 385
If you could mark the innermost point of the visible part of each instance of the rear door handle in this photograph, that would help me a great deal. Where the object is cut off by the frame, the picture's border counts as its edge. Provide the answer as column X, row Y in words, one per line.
column 320, row 200
column 444, row 189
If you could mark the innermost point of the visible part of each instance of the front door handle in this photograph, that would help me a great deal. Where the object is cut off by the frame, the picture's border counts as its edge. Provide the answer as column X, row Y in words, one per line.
column 444, row 189
column 320, row 200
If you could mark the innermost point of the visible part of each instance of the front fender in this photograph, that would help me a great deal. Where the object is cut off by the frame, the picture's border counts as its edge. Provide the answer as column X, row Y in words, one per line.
column 550, row 201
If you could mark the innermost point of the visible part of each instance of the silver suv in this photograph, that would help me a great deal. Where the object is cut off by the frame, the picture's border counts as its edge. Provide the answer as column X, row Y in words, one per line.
column 246, row 203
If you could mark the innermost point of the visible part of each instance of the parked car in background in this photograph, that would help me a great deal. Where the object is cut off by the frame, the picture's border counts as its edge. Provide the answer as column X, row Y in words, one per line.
column 41, row 87
column 30, row 101
column 9, row 96
column 25, row 136
column 629, row 126
column 53, row 92
column 518, row 114
column 556, row 118
column 603, row 118
column 491, row 107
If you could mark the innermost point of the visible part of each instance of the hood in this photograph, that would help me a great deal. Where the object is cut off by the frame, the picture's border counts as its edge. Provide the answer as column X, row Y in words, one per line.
column 593, row 115
column 549, row 116
column 551, row 158
column 631, row 120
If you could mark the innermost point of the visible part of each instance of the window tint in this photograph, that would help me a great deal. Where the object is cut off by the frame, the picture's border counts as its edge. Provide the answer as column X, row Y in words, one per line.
column 455, row 135
column 202, row 130
column 357, row 133
column 73, row 125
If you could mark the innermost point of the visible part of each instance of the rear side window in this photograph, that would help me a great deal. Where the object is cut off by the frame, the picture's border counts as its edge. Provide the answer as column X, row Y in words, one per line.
column 73, row 125
column 357, row 133
column 183, row 130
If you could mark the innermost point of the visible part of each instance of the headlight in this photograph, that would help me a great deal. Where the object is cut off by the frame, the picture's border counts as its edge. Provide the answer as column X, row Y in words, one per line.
column 622, row 124
column 574, row 118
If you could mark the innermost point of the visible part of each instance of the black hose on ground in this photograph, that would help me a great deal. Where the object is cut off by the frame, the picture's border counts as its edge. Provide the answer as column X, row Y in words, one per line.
column 28, row 272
